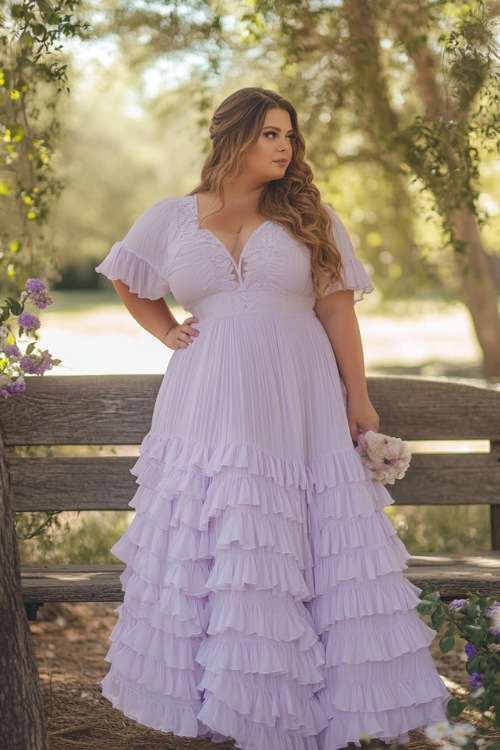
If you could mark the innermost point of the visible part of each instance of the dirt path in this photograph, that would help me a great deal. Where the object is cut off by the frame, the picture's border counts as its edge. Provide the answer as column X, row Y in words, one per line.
column 71, row 642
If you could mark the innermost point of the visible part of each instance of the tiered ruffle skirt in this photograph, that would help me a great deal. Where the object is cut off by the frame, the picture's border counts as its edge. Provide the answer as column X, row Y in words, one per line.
column 265, row 602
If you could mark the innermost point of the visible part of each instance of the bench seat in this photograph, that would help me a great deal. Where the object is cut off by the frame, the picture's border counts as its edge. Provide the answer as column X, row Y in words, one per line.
column 453, row 575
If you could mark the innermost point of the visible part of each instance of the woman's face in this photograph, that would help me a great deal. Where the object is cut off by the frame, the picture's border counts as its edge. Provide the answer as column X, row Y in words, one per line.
column 269, row 158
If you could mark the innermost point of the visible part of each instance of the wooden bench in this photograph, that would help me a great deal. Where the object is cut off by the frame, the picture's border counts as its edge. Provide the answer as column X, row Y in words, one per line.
column 116, row 410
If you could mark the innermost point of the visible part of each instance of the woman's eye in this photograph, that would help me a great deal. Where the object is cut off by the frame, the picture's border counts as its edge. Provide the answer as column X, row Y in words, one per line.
column 271, row 135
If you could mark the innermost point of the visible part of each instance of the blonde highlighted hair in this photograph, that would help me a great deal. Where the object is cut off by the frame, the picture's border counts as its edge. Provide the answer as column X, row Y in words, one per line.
column 293, row 201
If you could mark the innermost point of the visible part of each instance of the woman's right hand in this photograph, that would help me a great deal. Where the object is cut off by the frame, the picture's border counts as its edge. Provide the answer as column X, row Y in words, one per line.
column 181, row 335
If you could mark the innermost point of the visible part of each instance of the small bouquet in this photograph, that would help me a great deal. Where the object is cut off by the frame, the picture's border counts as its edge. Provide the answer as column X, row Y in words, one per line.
column 387, row 457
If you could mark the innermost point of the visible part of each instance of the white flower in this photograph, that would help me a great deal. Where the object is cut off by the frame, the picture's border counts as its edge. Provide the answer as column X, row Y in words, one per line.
column 494, row 647
column 438, row 731
column 496, row 617
column 4, row 332
column 460, row 733
column 387, row 457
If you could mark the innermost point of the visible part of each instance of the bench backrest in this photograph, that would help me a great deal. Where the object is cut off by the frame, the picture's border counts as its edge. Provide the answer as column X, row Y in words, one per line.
column 116, row 410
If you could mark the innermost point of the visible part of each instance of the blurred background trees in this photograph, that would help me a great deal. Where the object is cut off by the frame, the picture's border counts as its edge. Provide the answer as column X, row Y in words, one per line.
column 399, row 98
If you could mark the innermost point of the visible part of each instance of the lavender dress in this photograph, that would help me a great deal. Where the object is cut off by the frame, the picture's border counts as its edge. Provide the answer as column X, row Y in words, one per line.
column 264, row 598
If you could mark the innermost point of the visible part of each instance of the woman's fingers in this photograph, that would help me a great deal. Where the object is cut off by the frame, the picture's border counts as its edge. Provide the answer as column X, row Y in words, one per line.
column 187, row 333
column 188, row 328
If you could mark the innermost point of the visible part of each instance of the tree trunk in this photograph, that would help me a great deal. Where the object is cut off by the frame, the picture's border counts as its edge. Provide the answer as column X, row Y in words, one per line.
column 22, row 726
column 478, row 290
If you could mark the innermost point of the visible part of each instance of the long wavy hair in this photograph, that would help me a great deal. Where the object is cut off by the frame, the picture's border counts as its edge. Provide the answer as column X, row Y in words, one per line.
column 293, row 201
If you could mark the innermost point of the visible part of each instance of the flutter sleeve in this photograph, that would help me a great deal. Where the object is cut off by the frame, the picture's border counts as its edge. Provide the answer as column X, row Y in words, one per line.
column 140, row 259
column 353, row 272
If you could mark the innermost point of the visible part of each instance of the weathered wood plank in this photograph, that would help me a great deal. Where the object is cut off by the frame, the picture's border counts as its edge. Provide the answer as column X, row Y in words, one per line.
column 67, row 583
column 453, row 575
column 449, row 479
column 88, row 483
column 55, row 410
column 81, row 410
column 422, row 409
column 495, row 509
column 456, row 575
column 105, row 483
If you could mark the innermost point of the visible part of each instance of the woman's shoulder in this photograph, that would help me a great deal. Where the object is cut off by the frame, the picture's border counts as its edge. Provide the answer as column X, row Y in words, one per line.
column 166, row 207
column 161, row 217
column 155, row 226
column 330, row 210
column 336, row 221
column 340, row 234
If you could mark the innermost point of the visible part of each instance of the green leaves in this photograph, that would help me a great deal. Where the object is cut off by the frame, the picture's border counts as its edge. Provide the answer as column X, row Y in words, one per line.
column 426, row 607
column 438, row 619
column 45, row 8
column 447, row 642
column 32, row 73
column 455, row 708
column 10, row 307
column 15, row 306
column 469, row 620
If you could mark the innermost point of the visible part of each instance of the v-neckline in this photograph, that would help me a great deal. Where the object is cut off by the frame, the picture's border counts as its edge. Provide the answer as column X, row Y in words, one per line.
column 219, row 242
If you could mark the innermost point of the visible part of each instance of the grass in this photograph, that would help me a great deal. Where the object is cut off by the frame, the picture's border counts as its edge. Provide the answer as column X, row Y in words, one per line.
column 89, row 302
column 93, row 333
column 81, row 538
column 87, row 536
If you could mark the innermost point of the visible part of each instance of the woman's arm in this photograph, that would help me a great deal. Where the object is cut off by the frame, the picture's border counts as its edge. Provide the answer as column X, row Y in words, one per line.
column 337, row 315
column 155, row 316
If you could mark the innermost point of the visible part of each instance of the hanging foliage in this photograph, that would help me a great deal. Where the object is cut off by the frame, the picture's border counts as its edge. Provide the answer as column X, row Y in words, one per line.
column 33, row 72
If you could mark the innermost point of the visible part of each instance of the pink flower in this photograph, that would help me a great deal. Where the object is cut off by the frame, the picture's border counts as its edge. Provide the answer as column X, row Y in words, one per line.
column 387, row 457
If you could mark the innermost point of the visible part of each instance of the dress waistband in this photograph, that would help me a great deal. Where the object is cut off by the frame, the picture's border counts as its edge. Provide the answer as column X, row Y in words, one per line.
column 242, row 302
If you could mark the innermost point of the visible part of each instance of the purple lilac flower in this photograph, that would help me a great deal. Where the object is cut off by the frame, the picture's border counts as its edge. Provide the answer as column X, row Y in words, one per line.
column 29, row 322
column 471, row 650
column 27, row 365
column 38, row 293
column 476, row 680
column 10, row 389
column 458, row 603
column 13, row 351
column 37, row 364
column 46, row 362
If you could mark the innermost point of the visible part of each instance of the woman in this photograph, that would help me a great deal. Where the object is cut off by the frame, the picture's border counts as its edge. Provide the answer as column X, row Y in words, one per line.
column 264, row 598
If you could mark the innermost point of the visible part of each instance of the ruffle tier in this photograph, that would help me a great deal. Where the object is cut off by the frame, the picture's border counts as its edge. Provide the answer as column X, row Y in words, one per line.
column 264, row 601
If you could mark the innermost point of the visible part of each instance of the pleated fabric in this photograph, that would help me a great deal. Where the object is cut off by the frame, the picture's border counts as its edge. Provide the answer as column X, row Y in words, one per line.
column 264, row 598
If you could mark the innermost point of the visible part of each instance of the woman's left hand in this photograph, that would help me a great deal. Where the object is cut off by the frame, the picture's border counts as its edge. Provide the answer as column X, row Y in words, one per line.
column 361, row 417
